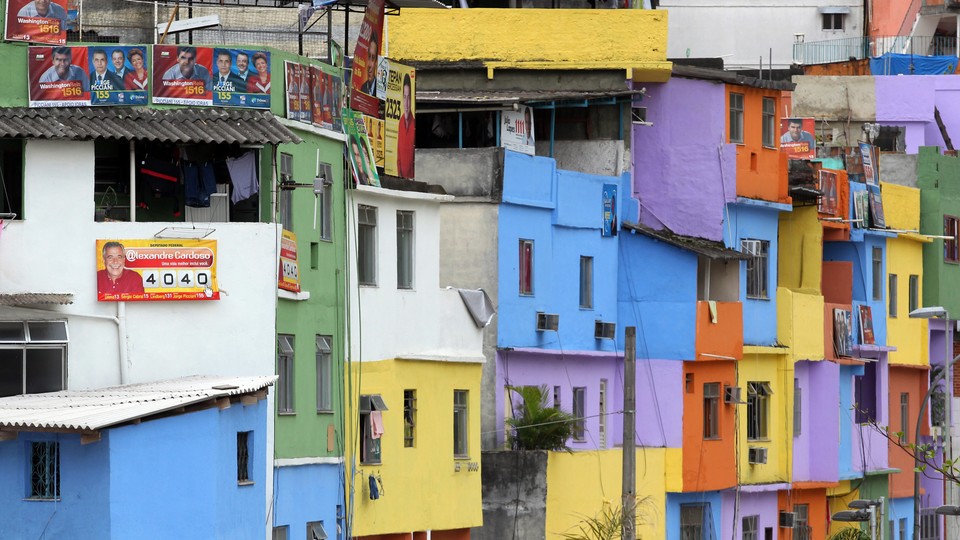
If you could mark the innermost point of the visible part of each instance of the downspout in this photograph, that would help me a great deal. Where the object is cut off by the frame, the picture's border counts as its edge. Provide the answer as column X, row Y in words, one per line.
column 122, row 341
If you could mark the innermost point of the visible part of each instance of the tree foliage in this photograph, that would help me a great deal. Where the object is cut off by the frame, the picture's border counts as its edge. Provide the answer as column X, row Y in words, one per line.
column 536, row 426
column 850, row 533
column 606, row 524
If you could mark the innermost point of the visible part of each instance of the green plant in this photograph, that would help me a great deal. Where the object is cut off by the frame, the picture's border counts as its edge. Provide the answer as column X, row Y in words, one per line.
column 535, row 426
column 850, row 533
column 606, row 524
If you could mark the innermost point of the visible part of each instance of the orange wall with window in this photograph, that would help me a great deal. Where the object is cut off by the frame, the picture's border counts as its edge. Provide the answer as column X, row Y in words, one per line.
column 761, row 170
column 816, row 501
column 708, row 464
column 911, row 380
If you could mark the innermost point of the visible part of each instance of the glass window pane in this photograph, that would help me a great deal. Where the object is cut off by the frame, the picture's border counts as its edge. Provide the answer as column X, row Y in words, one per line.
column 11, row 372
column 48, row 330
column 12, row 332
column 44, row 370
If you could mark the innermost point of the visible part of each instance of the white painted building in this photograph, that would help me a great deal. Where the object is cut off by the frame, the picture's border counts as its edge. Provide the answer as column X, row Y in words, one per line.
column 743, row 32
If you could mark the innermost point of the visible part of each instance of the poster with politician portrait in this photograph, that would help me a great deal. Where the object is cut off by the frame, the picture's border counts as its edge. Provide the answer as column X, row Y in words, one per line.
column 366, row 55
column 37, row 21
column 58, row 77
column 400, row 120
column 182, row 75
column 292, row 89
column 796, row 138
column 119, row 75
column 241, row 78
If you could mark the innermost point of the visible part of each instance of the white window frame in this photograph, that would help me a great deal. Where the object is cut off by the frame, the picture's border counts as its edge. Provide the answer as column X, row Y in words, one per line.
column 324, row 374
column 579, row 412
column 832, row 21
column 29, row 340
column 286, row 353
column 367, row 245
column 758, row 410
column 406, row 223
column 758, row 268
column 750, row 527
column 769, row 122
column 461, row 424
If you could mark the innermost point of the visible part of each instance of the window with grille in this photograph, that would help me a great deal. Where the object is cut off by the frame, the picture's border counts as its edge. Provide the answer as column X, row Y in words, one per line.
column 45, row 470
column 758, row 409
column 367, row 245
column 877, row 273
column 586, row 282
column 929, row 525
column 892, row 296
column 33, row 357
column 750, row 527
column 286, row 195
column 711, row 410
column 244, row 441
column 757, row 265
column 801, row 526
column 409, row 418
column 579, row 407
column 404, row 249
column 285, row 355
column 461, row 423
column 951, row 245
column 769, row 122
column 526, row 267
column 692, row 521
column 603, row 414
column 324, row 374
column 736, row 118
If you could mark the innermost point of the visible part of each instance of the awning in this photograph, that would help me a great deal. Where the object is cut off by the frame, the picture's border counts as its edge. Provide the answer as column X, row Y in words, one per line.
column 509, row 97
column 197, row 125
column 35, row 299
column 701, row 246
column 834, row 9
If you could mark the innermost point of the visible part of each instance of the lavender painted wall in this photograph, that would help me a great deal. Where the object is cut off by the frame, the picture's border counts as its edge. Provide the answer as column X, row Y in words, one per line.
column 659, row 420
column 762, row 504
column 683, row 182
column 815, row 450
column 910, row 101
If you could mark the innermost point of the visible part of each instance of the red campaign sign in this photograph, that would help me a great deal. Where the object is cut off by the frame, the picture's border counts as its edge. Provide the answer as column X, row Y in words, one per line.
column 181, row 75
column 39, row 21
column 58, row 76
column 364, row 80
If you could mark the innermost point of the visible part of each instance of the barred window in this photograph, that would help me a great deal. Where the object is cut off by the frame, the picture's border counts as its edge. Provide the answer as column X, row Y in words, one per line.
column 45, row 470
column 244, row 438
column 757, row 267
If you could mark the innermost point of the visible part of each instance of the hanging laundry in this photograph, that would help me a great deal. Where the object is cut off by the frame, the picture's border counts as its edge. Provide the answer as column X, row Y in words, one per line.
column 243, row 175
column 376, row 424
column 199, row 183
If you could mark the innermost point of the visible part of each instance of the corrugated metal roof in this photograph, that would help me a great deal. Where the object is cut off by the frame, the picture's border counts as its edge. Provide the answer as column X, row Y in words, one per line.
column 90, row 410
column 228, row 126
column 708, row 248
column 34, row 299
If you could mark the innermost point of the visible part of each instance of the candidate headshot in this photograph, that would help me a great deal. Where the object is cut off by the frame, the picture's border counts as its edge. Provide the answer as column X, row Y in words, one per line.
column 370, row 84
column 136, row 78
column 64, row 70
column 226, row 80
column 45, row 9
column 187, row 67
column 795, row 132
column 100, row 78
column 115, row 278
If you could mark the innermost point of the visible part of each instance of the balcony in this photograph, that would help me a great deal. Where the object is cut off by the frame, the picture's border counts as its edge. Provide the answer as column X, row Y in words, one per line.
column 723, row 339
column 859, row 48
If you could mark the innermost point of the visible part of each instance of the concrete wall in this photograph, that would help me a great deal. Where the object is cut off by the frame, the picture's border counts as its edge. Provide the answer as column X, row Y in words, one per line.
column 596, row 157
column 463, row 172
column 703, row 30
column 835, row 98
column 899, row 169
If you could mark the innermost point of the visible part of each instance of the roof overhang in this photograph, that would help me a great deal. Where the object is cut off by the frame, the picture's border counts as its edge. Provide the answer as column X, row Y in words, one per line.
column 508, row 98
column 35, row 299
column 700, row 246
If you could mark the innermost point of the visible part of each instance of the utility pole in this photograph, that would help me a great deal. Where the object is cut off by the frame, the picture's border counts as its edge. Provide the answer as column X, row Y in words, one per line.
column 629, row 498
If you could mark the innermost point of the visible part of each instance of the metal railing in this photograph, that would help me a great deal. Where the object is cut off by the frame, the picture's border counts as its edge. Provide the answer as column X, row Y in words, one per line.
column 859, row 48
column 802, row 532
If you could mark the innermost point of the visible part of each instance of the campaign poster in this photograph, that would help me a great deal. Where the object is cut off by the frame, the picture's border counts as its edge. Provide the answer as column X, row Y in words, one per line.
column 609, row 210
column 306, row 106
column 37, row 21
column 293, row 90
column 866, row 325
column 181, row 75
column 400, row 120
column 325, row 89
column 154, row 269
column 877, row 219
column 375, row 132
column 868, row 158
column 119, row 75
column 365, row 59
column 516, row 130
column 241, row 78
column 853, row 163
column 383, row 71
column 58, row 76
column 828, row 193
column 358, row 150
column 796, row 138
column 842, row 332
column 289, row 277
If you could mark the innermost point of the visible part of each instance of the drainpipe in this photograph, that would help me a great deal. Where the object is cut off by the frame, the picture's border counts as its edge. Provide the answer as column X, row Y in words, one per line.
column 122, row 341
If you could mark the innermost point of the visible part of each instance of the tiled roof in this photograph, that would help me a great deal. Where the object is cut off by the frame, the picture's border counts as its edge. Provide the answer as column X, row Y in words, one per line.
column 197, row 125
column 34, row 299
column 90, row 410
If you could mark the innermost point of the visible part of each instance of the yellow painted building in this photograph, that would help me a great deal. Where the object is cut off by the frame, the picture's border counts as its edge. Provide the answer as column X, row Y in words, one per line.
column 799, row 299
column 425, row 482
column 634, row 40
column 771, row 365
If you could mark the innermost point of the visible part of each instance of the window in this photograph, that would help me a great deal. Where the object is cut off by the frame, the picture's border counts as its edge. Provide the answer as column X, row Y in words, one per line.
column 285, row 348
column 905, row 417
column 833, row 21
column 367, row 245
column 281, row 533
column 556, row 397
column 736, row 118
column 315, row 531
column 324, row 374
column 757, row 263
column 526, row 267
column 758, row 409
column 11, row 177
column 33, row 357
column 750, row 527
column 903, row 527
column 371, row 428
column 404, row 249
column 286, row 193
column 929, row 525
column 865, row 394
column 801, row 528
column 326, row 202
column 892, row 296
column 409, row 418
column 579, row 405
column 244, row 439
column 769, row 122
column 951, row 245
column 797, row 407
column 877, row 273
column 586, row 282
column 45, row 470
column 460, row 424
column 914, row 292
column 603, row 414
column 692, row 518
column 688, row 383
column 711, row 410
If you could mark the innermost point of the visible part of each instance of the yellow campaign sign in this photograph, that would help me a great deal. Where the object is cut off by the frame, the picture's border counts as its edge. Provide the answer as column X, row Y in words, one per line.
column 289, row 277
column 375, row 134
column 153, row 269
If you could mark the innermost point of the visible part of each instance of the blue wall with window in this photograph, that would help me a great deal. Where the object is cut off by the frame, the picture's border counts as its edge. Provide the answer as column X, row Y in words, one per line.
column 562, row 213
column 307, row 493
column 756, row 220
column 847, row 419
column 174, row 477
column 860, row 254
column 901, row 510
column 711, row 522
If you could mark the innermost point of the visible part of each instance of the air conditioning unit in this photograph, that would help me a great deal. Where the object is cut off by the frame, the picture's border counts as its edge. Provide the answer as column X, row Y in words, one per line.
column 605, row 330
column 731, row 395
column 757, row 455
column 788, row 520
column 547, row 321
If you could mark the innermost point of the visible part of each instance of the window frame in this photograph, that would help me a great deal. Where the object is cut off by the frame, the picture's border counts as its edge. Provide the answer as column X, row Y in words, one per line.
column 12, row 184
column 586, row 282
column 44, row 471
column 371, row 451
column 324, row 360
column 406, row 245
column 367, row 219
column 280, row 532
column 832, row 21
column 286, row 371
column 410, row 418
column 750, row 526
column 757, row 268
column 461, row 424
column 914, row 293
column 768, row 122
column 286, row 194
column 876, row 265
column 578, row 410
column 951, row 246
column 525, row 267
column 736, row 108
column 892, row 297
column 326, row 213
column 244, row 451
column 711, row 411
column 797, row 408
column 905, row 417
column 25, row 343
column 312, row 527
column 693, row 518
column 602, row 415
column 758, row 410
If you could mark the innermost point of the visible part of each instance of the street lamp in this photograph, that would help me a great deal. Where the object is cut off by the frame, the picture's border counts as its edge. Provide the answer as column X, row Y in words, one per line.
column 929, row 313
column 863, row 510
column 948, row 510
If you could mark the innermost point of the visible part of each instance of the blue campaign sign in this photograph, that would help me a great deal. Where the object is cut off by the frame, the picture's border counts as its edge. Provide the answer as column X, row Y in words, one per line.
column 119, row 75
column 609, row 210
column 241, row 78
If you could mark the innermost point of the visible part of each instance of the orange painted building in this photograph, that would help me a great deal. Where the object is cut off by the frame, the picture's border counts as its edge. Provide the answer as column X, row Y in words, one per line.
column 709, row 426
column 908, row 385
column 809, row 501
column 761, row 168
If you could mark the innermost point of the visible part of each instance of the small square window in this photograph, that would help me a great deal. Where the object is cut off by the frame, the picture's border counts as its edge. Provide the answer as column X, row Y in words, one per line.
column 833, row 21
